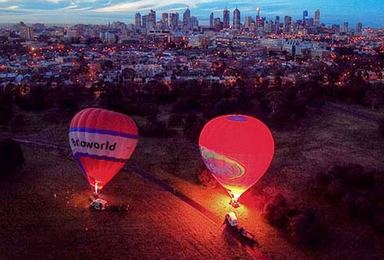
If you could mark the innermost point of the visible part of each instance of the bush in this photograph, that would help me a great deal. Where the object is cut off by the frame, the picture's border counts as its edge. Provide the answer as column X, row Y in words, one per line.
column 381, row 126
column 304, row 227
column 6, row 109
column 11, row 156
column 301, row 224
column 275, row 211
column 154, row 129
column 193, row 127
column 206, row 178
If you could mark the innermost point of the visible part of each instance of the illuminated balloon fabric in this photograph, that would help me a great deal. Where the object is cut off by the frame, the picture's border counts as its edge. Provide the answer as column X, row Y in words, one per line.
column 101, row 142
column 237, row 150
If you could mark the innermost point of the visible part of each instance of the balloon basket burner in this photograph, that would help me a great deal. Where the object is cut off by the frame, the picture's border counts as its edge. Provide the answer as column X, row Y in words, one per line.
column 234, row 203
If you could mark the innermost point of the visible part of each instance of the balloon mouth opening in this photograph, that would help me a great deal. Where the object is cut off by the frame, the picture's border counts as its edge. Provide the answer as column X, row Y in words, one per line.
column 237, row 118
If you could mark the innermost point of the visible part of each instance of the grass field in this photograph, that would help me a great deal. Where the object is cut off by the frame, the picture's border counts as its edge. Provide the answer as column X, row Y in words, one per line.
column 44, row 215
column 317, row 143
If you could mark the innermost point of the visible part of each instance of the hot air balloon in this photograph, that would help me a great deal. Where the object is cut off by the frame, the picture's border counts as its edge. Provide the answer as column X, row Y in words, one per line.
column 238, row 150
column 101, row 142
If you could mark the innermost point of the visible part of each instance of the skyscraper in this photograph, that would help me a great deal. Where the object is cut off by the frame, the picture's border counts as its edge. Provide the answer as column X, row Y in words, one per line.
column 226, row 18
column 316, row 20
column 248, row 21
column 173, row 20
column 359, row 29
column 218, row 25
column 151, row 23
column 287, row 24
column 305, row 15
column 257, row 13
column 345, row 28
column 164, row 17
column 277, row 24
column 137, row 20
column 211, row 20
column 236, row 19
column 186, row 19
column 144, row 20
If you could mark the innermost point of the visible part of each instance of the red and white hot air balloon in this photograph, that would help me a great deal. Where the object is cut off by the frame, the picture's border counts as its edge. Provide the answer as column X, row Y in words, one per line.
column 101, row 142
column 237, row 150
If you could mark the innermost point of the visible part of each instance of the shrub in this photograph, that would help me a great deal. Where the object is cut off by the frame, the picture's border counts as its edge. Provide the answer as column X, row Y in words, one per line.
column 154, row 129
column 304, row 227
column 301, row 224
column 6, row 109
column 381, row 126
column 11, row 156
column 275, row 211
column 206, row 178
column 193, row 127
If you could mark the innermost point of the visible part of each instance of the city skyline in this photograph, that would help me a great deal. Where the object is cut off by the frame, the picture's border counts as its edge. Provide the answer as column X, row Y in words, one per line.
column 102, row 11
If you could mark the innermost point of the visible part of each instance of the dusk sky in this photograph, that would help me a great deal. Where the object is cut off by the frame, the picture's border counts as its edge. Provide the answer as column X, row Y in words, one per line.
column 369, row 12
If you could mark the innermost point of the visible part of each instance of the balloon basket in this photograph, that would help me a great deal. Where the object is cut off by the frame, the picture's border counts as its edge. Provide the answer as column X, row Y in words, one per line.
column 234, row 203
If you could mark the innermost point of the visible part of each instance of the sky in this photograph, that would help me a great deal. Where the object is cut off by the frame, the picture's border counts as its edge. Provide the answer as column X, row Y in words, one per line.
column 369, row 12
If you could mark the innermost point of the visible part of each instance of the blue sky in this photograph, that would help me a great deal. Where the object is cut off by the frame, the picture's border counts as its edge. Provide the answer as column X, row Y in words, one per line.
column 369, row 12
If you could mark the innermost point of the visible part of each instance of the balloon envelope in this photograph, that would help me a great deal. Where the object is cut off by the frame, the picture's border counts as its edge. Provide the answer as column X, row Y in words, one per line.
column 101, row 142
column 237, row 150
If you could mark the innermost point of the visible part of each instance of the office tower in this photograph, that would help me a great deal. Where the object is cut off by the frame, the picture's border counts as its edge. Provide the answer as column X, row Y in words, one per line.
column 287, row 24
column 164, row 17
column 186, row 19
column 359, row 29
column 236, row 19
column 211, row 20
column 144, row 20
column 151, row 19
column 137, row 20
column 218, row 25
column 316, row 20
column 277, row 24
column 193, row 22
column 305, row 15
column 345, row 28
column 226, row 18
column 257, row 13
column 336, row 28
column 173, row 20
column 247, row 21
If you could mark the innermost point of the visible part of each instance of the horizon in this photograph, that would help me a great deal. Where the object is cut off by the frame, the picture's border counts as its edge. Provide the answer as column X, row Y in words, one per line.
column 103, row 11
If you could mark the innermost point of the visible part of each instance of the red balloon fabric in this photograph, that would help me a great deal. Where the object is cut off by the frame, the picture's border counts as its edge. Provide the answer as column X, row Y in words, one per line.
column 238, row 150
column 101, row 142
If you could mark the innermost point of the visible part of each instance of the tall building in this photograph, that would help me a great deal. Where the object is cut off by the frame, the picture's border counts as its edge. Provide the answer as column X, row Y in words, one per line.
column 218, row 25
column 151, row 19
column 226, row 18
column 277, row 24
column 193, row 22
column 173, row 20
column 248, row 21
column 138, row 20
column 164, row 17
column 305, row 15
column 345, row 28
column 316, row 21
column 359, row 29
column 186, row 19
column 144, row 20
column 287, row 24
column 211, row 24
column 257, row 13
column 236, row 19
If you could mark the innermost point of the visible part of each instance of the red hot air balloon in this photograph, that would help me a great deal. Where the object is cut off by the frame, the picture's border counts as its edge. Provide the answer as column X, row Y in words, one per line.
column 101, row 142
column 238, row 150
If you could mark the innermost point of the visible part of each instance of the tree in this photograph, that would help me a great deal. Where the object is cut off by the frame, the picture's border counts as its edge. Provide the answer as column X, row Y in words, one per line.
column 11, row 156
column 6, row 111
column 381, row 126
